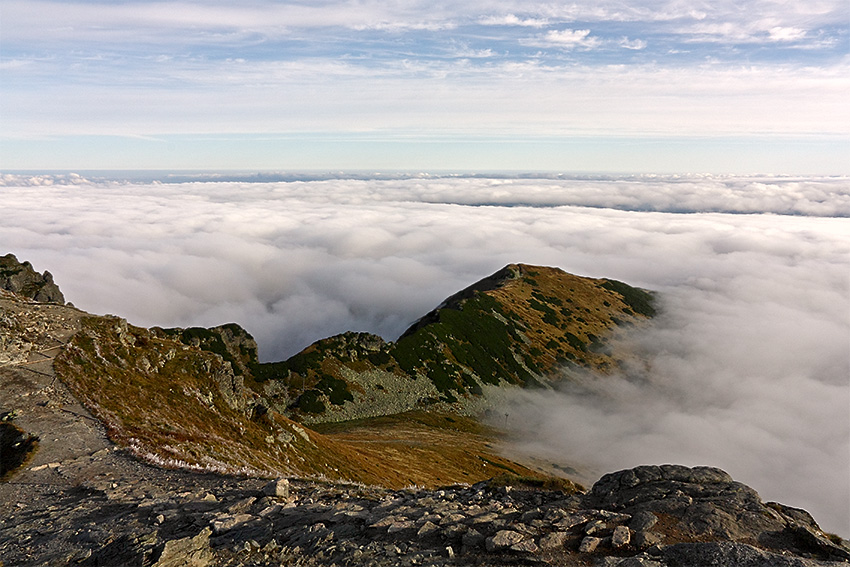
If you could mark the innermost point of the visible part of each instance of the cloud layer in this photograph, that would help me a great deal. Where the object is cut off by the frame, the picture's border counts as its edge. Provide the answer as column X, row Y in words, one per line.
column 747, row 368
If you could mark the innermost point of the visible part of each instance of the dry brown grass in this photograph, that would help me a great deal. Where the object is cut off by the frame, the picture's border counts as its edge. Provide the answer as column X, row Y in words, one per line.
column 173, row 413
column 422, row 449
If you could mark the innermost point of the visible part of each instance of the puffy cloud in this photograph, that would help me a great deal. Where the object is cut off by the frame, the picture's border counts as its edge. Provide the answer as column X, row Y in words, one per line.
column 568, row 39
column 513, row 20
column 635, row 44
column 747, row 368
column 780, row 33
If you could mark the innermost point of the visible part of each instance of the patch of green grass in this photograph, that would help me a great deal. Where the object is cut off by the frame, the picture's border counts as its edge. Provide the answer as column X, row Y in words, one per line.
column 640, row 301
column 472, row 337
column 549, row 483
column 311, row 402
column 575, row 342
column 336, row 390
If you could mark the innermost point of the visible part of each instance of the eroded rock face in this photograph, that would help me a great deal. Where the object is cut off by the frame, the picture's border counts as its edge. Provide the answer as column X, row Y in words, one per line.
column 22, row 279
column 705, row 503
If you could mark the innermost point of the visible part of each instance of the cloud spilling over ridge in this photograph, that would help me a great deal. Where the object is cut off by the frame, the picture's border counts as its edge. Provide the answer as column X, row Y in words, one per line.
column 747, row 370
column 749, row 364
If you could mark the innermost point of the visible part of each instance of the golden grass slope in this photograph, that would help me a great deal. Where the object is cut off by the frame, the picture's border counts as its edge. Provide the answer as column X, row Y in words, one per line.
column 178, row 406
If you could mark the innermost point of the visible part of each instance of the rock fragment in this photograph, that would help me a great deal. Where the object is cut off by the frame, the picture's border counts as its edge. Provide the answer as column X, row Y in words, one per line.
column 589, row 544
column 553, row 540
column 278, row 488
column 503, row 539
column 187, row 552
column 620, row 537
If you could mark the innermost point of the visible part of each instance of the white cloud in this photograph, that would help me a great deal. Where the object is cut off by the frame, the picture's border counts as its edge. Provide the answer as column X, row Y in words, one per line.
column 332, row 95
column 462, row 50
column 567, row 39
column 749, row 366
column 514, row 20
column 635, row 44
column 786, row 34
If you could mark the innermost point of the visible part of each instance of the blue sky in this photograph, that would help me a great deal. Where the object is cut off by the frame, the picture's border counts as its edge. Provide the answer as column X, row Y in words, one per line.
column 723, row 86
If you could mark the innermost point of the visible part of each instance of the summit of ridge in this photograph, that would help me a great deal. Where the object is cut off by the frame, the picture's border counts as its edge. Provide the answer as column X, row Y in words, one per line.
column 522, row 326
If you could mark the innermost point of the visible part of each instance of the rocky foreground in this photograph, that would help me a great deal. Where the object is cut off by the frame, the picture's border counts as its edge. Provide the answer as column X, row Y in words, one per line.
column 80, row 500
column 651, row 516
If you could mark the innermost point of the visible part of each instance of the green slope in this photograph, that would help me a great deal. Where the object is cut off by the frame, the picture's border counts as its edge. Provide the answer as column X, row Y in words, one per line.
column 522, row 326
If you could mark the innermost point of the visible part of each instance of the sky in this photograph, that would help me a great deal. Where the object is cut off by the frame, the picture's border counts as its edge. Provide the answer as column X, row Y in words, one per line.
column 728, row 86
column 747, row 368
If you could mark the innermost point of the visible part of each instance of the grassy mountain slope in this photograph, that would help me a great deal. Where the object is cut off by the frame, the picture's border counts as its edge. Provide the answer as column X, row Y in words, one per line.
column 177, row 405
column 523, row 326
column 353, row 406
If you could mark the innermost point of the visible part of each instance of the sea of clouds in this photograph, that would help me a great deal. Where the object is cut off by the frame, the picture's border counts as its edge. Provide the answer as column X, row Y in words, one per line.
column 747, row 368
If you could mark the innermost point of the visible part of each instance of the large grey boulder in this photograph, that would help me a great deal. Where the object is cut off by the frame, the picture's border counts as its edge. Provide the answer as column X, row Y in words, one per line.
column 22, row 279
column 705, row 504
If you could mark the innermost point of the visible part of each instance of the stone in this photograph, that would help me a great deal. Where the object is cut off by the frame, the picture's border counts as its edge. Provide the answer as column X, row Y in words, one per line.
column 643, row 521
column 226, row 523
column 388, row 521
column 22, row 279
column 187, row 552
column 572, row 520
column 620, row 537
column 595, row 527
column 472, row 538
column 553, row 540
column 644, row 540
column 396, row 527
column 525, row 546
column 428, row 528
column 503, row 539
column 589, row 544
column 452, row 519
column 242, row 506
column 278, row 488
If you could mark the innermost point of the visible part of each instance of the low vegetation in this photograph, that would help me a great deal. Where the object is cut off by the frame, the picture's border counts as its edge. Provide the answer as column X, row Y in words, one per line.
column 199, row 398
column 181, row 406
column 521, row 326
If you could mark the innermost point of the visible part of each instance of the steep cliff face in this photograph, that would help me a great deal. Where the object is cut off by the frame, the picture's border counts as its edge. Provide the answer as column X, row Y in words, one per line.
column 524, row 326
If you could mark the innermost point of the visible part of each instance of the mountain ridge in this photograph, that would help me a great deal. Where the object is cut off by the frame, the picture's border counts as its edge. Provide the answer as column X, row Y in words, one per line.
column 524, row 326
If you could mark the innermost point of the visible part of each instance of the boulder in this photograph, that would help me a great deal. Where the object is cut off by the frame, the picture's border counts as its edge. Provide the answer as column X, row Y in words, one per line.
column 22, row 279
column 503, row 539
column 187, row 551
column 278, row 488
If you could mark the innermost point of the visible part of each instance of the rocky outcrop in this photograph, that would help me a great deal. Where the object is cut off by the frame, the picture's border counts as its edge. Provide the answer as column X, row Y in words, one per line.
column 673, row 503
column 231, row 342
column 22, row 279
column 169, row 518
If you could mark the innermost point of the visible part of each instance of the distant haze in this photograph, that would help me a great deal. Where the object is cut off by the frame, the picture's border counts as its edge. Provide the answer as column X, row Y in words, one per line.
column 747, row 368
